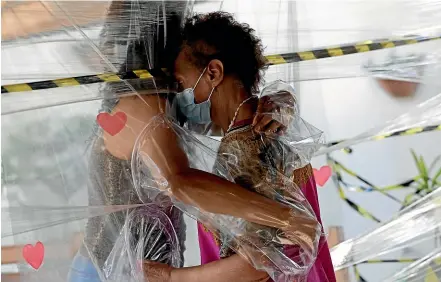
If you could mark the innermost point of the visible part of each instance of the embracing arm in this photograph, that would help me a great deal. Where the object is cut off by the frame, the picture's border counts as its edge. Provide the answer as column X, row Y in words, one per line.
column 190, row 186
column 233, row 268
column 206, row 191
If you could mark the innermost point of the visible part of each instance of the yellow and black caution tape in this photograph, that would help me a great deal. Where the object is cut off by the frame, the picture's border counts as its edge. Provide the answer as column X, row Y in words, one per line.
column 358, row 276
column 339, row 167
column 78, row 80
column 432, row 273
column 404, row 132
column 276, row 59
column 357, row 208
column 402, row 185
column 347, row 49
column 403, row 260
column 410, row 131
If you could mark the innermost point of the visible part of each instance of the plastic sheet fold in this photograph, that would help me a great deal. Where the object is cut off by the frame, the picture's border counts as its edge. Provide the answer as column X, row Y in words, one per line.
column 427, row 113
column 416, row 223
column 63, row 177
column 409, row 67
column 261, row 164
column 428, row 268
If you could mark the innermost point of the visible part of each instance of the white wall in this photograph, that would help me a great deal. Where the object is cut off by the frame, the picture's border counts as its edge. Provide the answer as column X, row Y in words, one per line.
column 344, row 108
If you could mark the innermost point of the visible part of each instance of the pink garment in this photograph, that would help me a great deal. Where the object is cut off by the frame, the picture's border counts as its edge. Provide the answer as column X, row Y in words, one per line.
column 322, row 270
column 207, row 245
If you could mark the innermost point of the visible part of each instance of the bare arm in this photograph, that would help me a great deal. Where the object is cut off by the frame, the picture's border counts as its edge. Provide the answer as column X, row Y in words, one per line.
column 198, row 188
column 190, row 186
column 233, row 268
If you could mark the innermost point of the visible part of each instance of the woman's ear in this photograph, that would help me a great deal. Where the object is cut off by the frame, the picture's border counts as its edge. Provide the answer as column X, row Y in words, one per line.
column 215, row 70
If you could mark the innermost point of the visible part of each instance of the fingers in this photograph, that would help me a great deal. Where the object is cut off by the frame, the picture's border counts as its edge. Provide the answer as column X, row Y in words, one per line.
column 257, row 119
column 263, row 122
column 273, row 128
column 268, row 126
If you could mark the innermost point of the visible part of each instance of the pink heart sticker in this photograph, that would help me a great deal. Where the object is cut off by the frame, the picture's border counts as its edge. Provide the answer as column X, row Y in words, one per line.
column 322, row 175
column 112, row 124
column 34, row 254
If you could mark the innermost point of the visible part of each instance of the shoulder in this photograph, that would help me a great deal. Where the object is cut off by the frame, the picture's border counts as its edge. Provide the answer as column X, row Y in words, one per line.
column 137, row 112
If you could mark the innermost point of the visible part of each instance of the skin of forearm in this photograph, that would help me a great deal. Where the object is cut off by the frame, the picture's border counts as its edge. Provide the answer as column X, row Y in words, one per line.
column 233, row 268
column 206, row 191
column 216, row 195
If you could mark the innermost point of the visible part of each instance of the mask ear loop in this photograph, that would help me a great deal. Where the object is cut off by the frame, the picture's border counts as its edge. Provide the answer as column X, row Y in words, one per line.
column 211, row 93
column 199, row 78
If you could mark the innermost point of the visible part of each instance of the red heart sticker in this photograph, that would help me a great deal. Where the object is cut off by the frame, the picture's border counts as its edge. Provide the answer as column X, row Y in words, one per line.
column 322, row 175
column 34, row 254
column 112, row 124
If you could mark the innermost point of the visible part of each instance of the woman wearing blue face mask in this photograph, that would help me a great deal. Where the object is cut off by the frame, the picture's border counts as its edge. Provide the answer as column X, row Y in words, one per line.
column 198, row 113
column 219, row 68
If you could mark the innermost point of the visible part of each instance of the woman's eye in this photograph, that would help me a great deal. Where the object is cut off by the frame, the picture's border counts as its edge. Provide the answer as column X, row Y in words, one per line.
column 180, row 86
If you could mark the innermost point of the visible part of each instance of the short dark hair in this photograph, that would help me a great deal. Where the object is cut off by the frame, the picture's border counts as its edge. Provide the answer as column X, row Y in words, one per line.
column 218, row 35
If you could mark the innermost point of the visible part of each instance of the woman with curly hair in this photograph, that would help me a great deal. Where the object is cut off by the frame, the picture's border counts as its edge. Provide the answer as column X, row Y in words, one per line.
column 219, row 68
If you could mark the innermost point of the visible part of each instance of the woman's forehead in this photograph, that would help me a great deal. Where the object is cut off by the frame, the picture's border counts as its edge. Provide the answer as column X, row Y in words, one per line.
column 182, row 63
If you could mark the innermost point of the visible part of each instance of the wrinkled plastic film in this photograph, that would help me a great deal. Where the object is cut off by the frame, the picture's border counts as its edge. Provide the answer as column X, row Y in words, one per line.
column 61, row 180
column 427, row 113
column 95, row 37
column 92, row 38
column 236, row 163
column 416, row 223
column 410, row 67
column 90, row 196
column 427, row 267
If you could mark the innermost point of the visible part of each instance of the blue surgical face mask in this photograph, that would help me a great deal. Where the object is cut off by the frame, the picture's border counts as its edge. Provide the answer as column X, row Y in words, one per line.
column 197, row 113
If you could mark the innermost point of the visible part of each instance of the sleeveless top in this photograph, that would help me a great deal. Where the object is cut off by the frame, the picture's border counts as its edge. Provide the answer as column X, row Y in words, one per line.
column 110, row 183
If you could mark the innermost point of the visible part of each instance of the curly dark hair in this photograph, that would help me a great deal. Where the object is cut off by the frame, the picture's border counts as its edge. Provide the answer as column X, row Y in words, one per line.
column 218, row 35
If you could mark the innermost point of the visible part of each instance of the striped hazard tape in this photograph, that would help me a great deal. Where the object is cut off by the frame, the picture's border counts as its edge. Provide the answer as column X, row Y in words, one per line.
column 336, row 168
column 343, row 50
column 402, row 260
column 404, row 132
column 432, row 273
column 358, row 276
column 276, row 59
column 78, row 80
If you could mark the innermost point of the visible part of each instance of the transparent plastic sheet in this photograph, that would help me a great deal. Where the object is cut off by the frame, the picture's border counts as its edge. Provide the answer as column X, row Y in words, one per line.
column 427, row 267
column 75, row 35
column 80, row 183
column 426, row 113
column 260, row 244
column 90, row 36
column 404, row 68
column 119, row 235
column 89, row 61
column 88, row 191
column 401, row 75
column 86, row 38
column 416, row 223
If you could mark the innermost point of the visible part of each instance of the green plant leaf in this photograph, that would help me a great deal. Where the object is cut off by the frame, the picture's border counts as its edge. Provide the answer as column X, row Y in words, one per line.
column 437, row 175
column 422, row 169
column 415, row 158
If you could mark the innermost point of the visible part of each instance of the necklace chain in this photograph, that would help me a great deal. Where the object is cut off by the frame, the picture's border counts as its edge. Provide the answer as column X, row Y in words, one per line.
column 237, row 112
